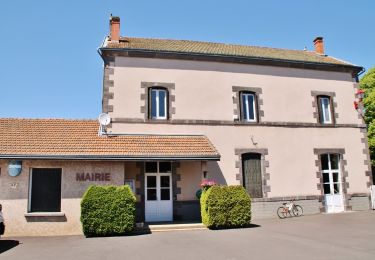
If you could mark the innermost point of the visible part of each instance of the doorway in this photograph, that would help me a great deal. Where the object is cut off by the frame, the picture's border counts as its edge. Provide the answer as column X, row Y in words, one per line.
column 252, row 174
column 332, row 183
column 158, row 192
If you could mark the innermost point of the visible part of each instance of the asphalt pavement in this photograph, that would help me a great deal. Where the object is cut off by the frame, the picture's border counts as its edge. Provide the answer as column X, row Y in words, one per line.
column 341, row 236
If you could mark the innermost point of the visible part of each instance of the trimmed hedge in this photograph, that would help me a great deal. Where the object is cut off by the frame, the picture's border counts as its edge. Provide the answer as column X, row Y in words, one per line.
column 225, row 207
column 108, row 210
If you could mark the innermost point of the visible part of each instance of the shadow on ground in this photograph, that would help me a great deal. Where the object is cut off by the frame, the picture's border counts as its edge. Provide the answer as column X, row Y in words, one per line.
column 135, row 232
column 226, row 228
column 5, row 245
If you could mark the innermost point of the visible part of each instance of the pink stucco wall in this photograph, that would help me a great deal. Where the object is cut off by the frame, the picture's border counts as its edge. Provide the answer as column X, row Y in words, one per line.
column 203, row 90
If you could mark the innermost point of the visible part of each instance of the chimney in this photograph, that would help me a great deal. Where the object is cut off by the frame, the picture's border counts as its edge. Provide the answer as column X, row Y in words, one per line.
column 319, row 46
column 114, row 25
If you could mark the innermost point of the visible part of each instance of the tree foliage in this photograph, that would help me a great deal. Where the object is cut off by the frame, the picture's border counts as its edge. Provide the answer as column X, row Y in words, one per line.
column 368, row 84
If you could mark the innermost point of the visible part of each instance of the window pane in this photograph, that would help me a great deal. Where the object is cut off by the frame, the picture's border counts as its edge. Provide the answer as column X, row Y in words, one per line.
column 334, row 161
column 162, row 102
column 165, row 194
column 326, row 110
column 327, row 189
column 245, row 108
column 153, row 103
column 165, row 167
column 164, row 181
column 151, row 181
column 335, row 176
column 324, row 158
column 251, row 107
column 151, row 167
column 336, row 188
column 325, row 177
column 151, row 194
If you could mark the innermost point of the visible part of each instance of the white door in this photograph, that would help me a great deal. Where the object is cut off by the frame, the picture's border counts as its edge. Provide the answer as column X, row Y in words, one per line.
column 158, row 193
column 332, row 184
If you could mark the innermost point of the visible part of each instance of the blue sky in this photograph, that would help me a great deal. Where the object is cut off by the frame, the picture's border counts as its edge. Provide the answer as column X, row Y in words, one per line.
column 50, row 68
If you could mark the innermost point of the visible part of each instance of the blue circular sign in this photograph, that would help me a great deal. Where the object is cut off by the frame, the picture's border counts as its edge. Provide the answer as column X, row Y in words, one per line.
column 14, row 168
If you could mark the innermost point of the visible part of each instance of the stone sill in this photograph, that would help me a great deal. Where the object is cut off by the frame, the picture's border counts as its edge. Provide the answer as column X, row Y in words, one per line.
column 45, row 214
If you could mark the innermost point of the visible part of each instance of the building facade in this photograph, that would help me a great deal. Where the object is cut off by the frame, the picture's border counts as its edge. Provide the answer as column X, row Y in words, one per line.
column 279, row 122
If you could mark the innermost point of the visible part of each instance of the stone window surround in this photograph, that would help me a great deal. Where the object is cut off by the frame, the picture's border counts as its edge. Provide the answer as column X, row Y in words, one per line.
column 170, row 87
column 237, row 103
column 333, row 103
column 266, row 188
column 344, row 175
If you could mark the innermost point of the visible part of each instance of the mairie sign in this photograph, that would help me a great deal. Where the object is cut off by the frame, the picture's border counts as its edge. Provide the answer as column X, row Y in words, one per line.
column 93, row 176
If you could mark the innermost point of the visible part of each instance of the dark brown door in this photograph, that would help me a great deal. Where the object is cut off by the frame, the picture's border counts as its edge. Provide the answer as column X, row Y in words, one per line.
column 252, row 174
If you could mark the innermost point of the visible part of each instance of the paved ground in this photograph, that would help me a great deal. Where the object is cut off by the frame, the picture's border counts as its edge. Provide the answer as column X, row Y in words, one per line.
column 339, row 236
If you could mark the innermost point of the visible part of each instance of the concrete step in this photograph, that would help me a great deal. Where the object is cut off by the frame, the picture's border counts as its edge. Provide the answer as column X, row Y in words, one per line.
column 164, row 227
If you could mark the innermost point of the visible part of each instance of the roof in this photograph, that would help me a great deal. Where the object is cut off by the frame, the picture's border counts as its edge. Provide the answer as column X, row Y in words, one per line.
column 221, row 49
column 79, row 139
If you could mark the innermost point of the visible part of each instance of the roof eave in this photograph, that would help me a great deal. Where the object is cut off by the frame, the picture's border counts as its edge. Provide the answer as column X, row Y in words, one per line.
column 112, row 157
column 231, row 59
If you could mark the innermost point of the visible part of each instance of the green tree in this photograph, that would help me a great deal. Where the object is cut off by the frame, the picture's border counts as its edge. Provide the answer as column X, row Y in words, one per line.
column 368, row 84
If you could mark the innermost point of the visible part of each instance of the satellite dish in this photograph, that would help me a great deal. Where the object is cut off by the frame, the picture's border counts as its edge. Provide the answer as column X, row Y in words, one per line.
column 104, row 119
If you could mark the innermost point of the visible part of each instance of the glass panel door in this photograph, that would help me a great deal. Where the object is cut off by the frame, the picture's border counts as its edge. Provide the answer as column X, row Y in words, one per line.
column 331, row 180
column 158, row 189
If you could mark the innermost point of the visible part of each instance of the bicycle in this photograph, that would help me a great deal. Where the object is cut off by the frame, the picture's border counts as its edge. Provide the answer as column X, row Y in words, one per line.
column 289, row 208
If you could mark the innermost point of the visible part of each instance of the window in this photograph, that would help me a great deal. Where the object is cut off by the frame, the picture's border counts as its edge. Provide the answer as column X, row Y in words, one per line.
column 252, row 174
column 325, row 110
column 45, row 190
column 248, row 107
column 158, row 103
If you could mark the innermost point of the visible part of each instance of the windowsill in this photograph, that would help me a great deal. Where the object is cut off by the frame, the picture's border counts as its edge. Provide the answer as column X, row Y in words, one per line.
column 45, row 214
column 158, row 121
column 327, row 124
column 243, row 122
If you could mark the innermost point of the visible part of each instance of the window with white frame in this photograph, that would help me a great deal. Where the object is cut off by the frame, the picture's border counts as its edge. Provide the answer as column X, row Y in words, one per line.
column 325, row 110
column 158, row 103
column 248, row 107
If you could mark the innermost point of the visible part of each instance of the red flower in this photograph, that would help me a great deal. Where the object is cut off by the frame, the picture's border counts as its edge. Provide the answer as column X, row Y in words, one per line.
column 207, row 183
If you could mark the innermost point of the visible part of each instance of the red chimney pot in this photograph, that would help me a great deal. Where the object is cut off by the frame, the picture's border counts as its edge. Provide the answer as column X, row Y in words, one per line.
column 319, row 45
column 114, row 24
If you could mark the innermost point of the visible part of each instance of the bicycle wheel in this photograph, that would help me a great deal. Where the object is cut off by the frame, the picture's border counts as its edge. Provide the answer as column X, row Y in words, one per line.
column 297, row 210
column 281, row 212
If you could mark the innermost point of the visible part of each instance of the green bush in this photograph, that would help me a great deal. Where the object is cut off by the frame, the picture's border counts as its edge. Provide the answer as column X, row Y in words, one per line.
column 108, row 210
column 225, row 207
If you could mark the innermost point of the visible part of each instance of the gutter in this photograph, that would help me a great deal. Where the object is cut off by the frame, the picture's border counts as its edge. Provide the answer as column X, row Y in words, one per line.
column 100, row 47
column 360, row 72
column 113, row 157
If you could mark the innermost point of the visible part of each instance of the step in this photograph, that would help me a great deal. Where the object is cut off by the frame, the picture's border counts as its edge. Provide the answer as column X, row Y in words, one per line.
column 171, row 227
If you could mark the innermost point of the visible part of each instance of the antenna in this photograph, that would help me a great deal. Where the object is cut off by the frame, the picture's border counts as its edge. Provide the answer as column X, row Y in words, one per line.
column 104, row 120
